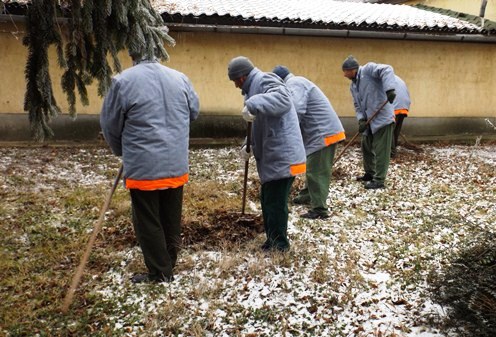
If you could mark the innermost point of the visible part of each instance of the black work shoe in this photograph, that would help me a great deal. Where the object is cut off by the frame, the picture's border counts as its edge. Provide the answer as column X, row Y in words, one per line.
column 365, row 177
column 282, row 249
column 146, row 278
column 373, row 185
column 270, row 249
column 266, row 246
column 311, row 214
column 299, row 200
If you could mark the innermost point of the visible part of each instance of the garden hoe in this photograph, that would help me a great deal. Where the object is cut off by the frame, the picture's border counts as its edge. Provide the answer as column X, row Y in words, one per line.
column 246, row 219
column 356, row 135
column 98, row 225
column 247, row 162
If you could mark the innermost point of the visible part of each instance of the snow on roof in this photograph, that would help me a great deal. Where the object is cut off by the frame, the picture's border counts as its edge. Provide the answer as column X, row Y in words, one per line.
column 320, row 12
column 310, row 13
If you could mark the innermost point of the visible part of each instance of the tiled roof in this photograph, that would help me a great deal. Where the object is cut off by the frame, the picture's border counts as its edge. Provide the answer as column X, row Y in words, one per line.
column 376, row 1
column 316, row 13
column 386, row 1
column 489, row 25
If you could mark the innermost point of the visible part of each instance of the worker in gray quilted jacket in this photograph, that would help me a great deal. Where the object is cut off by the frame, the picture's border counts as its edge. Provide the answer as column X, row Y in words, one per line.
column 401, row 108
column 145, row 118
column 373, row 89
column 276, row 144
column 321, row 130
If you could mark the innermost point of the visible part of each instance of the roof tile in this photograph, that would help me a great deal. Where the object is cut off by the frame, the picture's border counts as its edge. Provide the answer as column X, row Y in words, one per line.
column 325, row 12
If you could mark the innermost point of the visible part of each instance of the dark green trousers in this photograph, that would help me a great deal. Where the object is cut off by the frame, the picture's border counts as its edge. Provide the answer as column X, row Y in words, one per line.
column 318, row 177
column 274, row 199
column 376, row 150
column 157, row 223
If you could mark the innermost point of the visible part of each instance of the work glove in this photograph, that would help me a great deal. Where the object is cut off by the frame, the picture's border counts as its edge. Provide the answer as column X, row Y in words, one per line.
column 362, row 125
column 247, row 116
column 391, row 95
column 243, row 154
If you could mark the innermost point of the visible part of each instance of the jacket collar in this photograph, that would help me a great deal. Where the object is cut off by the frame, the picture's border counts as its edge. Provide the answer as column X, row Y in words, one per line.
column 249, row 79
column 356, row 80
column 145, row 60
column 288, row 76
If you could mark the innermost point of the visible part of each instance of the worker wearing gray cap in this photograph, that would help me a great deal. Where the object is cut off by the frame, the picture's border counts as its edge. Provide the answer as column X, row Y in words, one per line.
column 371, row 85
column 276, row 144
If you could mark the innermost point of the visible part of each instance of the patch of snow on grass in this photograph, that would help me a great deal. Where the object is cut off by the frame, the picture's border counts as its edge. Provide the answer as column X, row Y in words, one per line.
column 362, row 272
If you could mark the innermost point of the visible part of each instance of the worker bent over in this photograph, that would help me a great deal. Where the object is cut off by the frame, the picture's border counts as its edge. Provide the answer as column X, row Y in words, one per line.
column 371, row 85
column 321, row 130
column 276, row 142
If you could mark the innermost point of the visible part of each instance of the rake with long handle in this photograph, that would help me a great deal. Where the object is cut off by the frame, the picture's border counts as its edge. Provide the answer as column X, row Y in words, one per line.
column 245, row 181
column 96, row 229
column 356, row 135
column 409, row 145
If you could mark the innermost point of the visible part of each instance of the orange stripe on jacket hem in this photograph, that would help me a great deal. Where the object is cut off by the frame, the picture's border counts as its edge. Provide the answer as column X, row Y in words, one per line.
column 298, row 169
column 157, row 184
column 401, row 112
column 334, row 138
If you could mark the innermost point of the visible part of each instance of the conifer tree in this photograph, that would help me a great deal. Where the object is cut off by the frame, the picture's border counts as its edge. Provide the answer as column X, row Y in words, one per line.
column 95, row 32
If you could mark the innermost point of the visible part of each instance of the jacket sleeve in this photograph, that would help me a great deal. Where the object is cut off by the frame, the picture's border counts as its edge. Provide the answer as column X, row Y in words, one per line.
column 112, row 118
column 385, row 73
column 274, row 101
column 193, row 100
column 358, row 112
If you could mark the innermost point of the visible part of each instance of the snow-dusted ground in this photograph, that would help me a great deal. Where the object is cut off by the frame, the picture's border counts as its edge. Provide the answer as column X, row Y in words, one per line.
column 362, row 272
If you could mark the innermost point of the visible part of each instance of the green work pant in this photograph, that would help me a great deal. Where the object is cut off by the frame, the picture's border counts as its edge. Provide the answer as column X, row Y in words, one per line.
column 376, row 150
column 157, row 223
column 318, row 177
column 274, row 199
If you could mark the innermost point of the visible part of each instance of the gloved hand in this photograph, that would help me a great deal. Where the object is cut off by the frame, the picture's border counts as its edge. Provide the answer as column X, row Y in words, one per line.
column 362, row 125
column 245, row 156
column 391, row 95
column 247, row 116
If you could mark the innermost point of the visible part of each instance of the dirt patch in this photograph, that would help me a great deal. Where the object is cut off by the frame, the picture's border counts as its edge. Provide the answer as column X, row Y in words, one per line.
column 411, row 146
column 216, row 229
column 404, row 156
column 339, row 173
column 221, row 229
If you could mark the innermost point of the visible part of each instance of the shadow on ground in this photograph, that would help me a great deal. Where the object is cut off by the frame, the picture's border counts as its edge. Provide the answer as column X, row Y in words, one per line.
column 466, row 287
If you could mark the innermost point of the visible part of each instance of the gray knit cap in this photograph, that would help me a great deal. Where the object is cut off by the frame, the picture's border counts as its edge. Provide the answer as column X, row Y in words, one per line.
column 281, row 71
column 350, row 63
column 239, row 67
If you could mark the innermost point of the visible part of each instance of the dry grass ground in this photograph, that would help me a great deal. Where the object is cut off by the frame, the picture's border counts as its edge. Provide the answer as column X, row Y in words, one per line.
column 370, row 270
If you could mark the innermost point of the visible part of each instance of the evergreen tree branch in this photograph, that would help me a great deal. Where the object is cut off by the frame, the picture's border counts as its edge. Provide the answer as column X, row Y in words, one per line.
column 97, row 31
column 39, row 100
